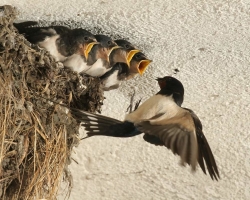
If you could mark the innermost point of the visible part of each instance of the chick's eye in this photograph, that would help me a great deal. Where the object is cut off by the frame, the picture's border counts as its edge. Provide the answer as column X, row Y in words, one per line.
column 86, row 38
column 126, row 46
column 109, row 42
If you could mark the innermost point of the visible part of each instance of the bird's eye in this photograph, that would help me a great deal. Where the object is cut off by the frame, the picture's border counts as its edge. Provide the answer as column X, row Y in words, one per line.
column 126, row 46
column 109, row 42
column 138, row 56
column 86, row 38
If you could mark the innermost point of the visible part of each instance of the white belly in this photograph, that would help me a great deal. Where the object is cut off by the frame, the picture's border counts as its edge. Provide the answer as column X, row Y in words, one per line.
column 50, row 45
column 111, row 80
column 97, row 69
column 76, row 63
column 157, row 104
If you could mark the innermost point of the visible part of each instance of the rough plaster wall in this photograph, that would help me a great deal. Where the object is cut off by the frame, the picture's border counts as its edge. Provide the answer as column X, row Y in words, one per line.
column 208, row 41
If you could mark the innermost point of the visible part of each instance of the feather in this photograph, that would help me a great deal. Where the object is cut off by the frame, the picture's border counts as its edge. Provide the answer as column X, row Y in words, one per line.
column 96, row 124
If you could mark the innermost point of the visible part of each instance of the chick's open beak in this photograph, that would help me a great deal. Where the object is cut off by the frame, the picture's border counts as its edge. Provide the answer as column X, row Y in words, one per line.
column 113, row 48
column 87, row 48
column 130, row 55
column 142, row 66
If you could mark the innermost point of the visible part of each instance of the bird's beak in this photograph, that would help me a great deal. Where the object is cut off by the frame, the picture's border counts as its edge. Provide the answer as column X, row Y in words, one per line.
column 142, row 66
column 88, row 47
column 113, row 48
column 130, row 55
column 109, row 51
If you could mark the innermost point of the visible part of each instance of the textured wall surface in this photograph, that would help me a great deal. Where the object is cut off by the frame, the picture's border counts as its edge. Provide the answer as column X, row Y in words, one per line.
column 209, row 42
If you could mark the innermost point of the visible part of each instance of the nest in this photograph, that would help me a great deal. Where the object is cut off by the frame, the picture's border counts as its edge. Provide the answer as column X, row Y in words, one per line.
column 37, row 135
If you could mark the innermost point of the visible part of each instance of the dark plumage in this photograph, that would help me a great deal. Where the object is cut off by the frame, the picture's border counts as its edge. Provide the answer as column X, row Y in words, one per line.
column 111, row 79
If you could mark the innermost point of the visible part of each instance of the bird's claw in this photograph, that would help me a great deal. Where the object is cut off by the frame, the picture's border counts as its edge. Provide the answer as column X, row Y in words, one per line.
column 130, row 107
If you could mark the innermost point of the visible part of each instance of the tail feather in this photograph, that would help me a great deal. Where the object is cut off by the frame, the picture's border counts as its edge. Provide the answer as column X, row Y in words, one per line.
column 97, row 130
column 22, row 26
column 31, row 33
column 93, row 120
column 96, row 124
column 90, row 117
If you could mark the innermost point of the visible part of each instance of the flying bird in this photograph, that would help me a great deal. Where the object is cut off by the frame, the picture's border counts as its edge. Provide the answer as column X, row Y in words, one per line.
column 164, row 122
column 61, row 42
column 122, row 60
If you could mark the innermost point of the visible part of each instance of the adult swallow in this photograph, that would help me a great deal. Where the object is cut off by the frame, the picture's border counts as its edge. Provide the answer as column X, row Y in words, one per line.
column 164, row 122
column 134, row 68
column 123, row 60
column 60, row 41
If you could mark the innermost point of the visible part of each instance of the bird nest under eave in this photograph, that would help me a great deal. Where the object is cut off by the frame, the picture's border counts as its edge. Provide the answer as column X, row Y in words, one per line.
column 36, row 135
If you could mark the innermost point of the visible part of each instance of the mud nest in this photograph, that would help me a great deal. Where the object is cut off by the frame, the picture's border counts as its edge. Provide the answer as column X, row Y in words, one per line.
column 37, row 135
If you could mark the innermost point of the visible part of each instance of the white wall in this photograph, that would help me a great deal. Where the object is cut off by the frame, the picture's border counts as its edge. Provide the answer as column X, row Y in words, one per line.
column 209, row 42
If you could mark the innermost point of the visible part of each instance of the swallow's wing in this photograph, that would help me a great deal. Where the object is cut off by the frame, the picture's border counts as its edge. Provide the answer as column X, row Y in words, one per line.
column 205, row 153
column 61, row 29
column 177, row 133
column 96, row 124
column 38, row 34
column 182, row 135
column 32, row 34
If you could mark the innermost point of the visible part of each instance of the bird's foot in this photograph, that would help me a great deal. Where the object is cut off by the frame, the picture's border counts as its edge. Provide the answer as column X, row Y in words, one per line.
column 130, row 107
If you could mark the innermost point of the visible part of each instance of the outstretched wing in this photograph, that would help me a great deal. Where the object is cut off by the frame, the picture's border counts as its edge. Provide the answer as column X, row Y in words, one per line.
column 183, row 135
column 205, row 153
column 178, row 136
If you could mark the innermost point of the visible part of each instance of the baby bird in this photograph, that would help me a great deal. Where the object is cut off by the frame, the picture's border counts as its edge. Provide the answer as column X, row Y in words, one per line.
column 122, row 60
column 60, row 41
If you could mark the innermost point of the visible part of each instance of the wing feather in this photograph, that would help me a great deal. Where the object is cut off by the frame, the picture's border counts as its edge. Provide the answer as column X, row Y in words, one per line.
column 176, row 134
column 183, row 135
column 205, row 153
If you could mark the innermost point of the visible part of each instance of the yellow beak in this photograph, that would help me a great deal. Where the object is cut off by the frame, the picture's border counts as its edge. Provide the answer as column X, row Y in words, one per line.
column 113, row 48
column 130, row 55
column 142, row 66
column 88, row 48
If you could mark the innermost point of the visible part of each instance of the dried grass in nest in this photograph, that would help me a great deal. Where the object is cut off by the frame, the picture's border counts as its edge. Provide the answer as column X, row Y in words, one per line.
column 36, row 135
